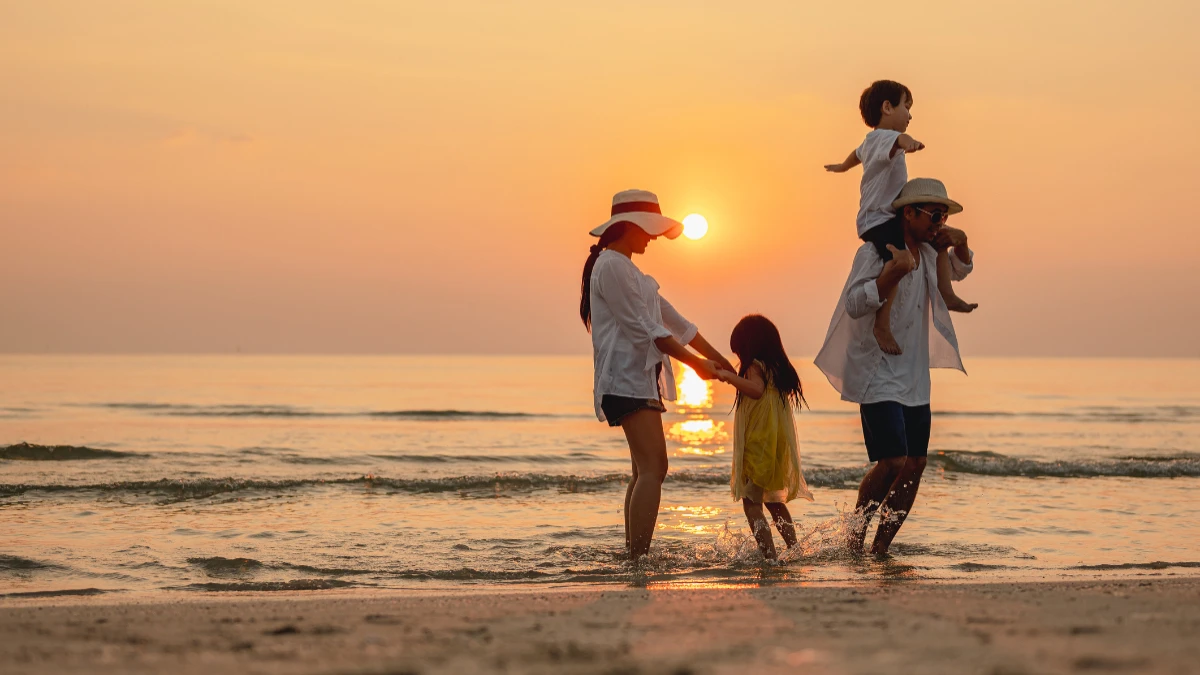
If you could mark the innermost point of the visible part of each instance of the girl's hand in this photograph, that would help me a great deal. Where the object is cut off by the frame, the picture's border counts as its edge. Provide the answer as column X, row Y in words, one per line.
column 725, row 375
column 707, row 369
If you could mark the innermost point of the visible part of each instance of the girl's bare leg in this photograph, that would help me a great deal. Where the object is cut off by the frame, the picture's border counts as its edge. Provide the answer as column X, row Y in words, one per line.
column 946, row 287
column 783, row 523
column 883, row 325
column 648, row 449
column 760, row 528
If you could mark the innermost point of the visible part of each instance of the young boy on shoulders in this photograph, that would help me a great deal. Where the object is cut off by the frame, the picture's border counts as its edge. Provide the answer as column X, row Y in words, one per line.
column 886, row 108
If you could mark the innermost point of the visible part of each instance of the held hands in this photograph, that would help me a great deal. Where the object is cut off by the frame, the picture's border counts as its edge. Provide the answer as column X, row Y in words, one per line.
column 708, row 369
column 726, row 375
column 902, row 261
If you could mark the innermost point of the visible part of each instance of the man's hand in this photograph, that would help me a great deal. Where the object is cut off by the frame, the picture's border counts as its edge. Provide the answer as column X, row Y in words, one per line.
column 902, row 261
column 908, row 143
column 949, row 236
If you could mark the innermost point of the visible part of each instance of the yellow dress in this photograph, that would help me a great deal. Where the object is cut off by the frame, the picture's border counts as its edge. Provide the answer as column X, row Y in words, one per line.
column 766, row 459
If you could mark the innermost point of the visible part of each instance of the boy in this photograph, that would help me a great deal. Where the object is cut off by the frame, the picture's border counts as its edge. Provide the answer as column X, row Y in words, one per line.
column 885, row 108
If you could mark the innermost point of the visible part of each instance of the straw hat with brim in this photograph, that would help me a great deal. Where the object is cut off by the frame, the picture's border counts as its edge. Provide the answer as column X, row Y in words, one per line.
column 640, row 208
column 926, row 191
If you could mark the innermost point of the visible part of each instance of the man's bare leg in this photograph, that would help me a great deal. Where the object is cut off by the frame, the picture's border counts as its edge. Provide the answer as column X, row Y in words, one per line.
column 946, row 287
column 871, row 493
column 899, row 503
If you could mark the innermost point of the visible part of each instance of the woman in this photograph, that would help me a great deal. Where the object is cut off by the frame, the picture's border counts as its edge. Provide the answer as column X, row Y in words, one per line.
column 634, row 331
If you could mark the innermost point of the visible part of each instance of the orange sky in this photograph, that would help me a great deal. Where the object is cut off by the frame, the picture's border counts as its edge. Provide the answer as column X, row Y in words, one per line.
column 309, row 176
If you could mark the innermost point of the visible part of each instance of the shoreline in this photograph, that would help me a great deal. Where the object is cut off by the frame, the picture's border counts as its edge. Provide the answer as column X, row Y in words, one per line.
column 1134, row 624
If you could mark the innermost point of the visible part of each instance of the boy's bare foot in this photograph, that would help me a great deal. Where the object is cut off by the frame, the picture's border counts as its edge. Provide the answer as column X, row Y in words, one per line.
column 883, row 335
column 957, row 304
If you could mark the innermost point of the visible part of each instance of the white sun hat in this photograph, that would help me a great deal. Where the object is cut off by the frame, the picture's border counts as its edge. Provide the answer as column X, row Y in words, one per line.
column 641, row 208
column 926, row 191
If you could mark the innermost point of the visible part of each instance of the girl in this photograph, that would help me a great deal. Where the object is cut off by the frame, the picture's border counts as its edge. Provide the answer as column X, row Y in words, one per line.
column 634, row 331
column 766, row 461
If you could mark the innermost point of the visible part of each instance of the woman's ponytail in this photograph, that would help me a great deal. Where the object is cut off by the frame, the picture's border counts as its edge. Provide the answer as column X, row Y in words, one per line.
column 610, row 235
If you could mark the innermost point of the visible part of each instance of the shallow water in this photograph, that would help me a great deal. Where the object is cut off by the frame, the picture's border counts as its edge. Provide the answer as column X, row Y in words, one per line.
column 291, row 473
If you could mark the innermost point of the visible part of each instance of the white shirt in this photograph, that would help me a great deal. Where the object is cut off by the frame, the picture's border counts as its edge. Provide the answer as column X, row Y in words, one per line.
column 884, row 175
column 628, row 315
column 851, row 358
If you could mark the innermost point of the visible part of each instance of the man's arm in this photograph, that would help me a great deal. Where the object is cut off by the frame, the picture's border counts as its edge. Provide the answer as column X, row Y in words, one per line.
column 871, row 280
column 902, row 263
column 956, row 239
column 851, row 162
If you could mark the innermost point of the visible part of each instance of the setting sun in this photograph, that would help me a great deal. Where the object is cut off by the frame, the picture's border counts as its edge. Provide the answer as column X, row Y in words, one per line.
column 695, row 226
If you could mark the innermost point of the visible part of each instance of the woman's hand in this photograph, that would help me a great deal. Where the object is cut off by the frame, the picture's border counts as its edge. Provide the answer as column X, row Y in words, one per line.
column 707, row 369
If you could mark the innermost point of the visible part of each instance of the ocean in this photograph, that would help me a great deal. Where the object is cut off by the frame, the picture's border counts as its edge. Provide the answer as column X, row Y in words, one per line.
column 200, row 474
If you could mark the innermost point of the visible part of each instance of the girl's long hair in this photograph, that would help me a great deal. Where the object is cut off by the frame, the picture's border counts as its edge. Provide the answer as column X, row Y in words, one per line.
column 610, row 235
column 755, row 338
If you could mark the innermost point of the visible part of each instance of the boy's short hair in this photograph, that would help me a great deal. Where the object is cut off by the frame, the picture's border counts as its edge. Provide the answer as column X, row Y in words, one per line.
column 870, row 104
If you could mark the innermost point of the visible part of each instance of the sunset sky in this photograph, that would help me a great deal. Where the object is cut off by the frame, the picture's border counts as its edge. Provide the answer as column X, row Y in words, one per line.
column 368, row 177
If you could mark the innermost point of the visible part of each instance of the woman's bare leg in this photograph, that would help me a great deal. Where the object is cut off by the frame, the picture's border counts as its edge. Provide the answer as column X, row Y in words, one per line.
column 783, row 522
column 628, row 496
column 648, row 448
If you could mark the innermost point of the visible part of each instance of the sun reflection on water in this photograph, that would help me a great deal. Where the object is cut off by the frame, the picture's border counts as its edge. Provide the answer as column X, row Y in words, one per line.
column 696, row 432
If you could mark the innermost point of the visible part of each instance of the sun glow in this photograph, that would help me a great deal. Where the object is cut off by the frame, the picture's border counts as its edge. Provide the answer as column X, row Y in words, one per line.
column 695, row 226
column 693, row 391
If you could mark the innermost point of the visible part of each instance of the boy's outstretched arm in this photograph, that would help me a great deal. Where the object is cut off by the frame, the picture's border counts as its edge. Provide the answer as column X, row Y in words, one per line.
column 906, row 143
column 850, row 163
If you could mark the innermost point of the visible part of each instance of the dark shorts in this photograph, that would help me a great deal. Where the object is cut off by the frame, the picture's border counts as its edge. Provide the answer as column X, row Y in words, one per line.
column 894, row 430
column 891, row 232
column 617, row 408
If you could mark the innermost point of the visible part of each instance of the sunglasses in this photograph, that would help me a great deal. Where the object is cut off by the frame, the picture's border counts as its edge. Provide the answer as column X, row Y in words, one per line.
column 936, row 217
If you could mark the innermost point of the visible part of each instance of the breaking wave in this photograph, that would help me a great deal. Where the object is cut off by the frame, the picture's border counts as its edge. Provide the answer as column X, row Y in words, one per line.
column 235, row 410
column 1157, row 565
column 44, row 453
column 52, row 594
column 994, row 464
column 259, row 586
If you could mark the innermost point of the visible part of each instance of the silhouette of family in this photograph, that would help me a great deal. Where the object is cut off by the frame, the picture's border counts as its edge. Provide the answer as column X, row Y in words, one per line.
column 891, row 325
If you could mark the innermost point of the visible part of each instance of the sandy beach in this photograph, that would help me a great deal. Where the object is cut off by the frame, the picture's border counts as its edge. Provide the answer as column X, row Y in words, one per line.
column 1142, row 625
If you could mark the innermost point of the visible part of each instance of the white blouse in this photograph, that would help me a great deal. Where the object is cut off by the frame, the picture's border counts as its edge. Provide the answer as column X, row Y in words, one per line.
column 628, row 315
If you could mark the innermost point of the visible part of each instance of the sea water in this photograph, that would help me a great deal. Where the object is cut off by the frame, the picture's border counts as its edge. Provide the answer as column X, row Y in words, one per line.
column 257, row 473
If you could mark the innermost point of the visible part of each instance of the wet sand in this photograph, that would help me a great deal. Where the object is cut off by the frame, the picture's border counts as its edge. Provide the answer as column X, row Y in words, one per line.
column 1140, row 625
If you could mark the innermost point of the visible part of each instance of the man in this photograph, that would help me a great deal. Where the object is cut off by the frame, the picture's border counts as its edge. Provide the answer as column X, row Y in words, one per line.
column 893, row 390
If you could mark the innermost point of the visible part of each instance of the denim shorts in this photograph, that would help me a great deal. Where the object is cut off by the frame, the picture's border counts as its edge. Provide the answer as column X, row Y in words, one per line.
column 891, row 429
